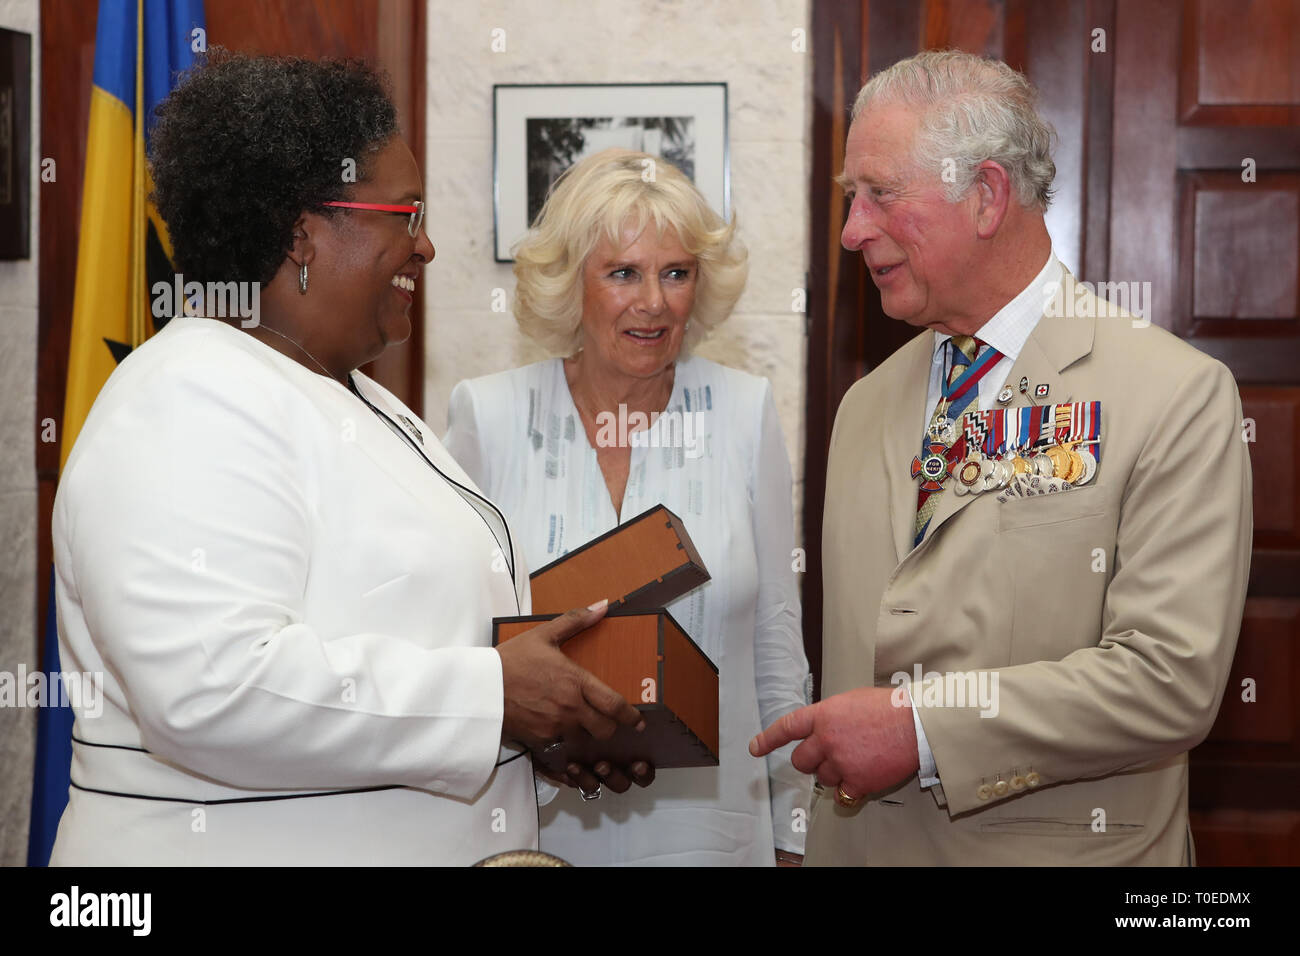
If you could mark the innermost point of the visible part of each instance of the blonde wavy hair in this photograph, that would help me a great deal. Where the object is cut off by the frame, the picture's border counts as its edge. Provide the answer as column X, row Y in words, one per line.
column 600, row 197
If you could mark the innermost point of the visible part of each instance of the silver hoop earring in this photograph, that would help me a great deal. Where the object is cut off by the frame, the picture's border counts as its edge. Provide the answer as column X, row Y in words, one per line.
column 302, row 279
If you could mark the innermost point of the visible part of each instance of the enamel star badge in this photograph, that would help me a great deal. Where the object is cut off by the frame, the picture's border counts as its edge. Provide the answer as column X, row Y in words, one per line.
column 934, row 469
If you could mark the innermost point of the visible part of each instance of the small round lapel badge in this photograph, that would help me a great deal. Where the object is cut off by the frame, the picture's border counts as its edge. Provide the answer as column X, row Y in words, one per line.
column 1004, row 396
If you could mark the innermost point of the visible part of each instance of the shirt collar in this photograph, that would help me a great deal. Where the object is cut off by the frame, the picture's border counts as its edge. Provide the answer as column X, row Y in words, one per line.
column 1012, row 324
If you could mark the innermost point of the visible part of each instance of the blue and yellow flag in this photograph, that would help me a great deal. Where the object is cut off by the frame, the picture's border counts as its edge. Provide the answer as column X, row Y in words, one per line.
column 140, row 48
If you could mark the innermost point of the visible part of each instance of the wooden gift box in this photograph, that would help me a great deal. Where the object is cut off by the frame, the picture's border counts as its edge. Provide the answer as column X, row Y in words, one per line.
column 653, row 663
column 646, row 563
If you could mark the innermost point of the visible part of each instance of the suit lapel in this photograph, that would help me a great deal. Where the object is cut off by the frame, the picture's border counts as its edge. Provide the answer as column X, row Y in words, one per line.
column 410, row 467
column 388, row 451
column 904, row 425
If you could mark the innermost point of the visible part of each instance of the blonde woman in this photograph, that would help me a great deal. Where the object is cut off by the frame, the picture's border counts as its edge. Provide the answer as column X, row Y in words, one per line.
column 619, row 278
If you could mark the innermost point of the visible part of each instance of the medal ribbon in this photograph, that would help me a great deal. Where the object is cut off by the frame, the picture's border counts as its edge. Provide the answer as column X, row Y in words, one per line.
column 970, row 378
column 1035, row 420
column 1063, row 424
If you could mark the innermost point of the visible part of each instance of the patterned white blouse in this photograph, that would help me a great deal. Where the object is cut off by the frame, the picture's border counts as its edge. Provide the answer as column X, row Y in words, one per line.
column 716, row 458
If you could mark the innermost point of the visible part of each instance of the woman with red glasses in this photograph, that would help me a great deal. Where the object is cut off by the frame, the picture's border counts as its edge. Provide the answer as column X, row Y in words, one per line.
column 285, row 582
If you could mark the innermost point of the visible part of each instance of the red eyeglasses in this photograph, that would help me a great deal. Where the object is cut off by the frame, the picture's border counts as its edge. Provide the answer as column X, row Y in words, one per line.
column 416, row 212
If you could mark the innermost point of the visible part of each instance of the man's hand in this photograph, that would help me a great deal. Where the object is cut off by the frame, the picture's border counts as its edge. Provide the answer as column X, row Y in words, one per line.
column 857, row 741
column 548, row 696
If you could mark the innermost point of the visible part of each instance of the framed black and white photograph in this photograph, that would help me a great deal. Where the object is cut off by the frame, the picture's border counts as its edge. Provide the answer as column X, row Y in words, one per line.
column 539, row 131
column 15, row 144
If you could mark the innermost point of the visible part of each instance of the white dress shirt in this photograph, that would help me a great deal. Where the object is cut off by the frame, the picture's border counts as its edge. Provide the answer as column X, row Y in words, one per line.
column 1007, row 332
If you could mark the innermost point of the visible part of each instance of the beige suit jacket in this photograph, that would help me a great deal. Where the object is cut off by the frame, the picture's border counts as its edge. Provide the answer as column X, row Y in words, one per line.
column 1109, row 613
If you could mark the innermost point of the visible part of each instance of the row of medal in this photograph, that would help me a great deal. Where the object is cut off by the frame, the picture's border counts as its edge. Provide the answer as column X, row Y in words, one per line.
column 1072, row 463
column 1060, row 445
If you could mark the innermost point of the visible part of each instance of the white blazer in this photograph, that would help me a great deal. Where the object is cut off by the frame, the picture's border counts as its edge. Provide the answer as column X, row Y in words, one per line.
column 285, row 600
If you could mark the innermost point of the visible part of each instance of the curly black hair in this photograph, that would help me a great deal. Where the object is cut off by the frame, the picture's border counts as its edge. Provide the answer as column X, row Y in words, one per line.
column 245, row 144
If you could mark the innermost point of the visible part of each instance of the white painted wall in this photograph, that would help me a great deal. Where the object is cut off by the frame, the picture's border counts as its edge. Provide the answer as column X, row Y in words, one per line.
column 745, row 43
column 18, row 500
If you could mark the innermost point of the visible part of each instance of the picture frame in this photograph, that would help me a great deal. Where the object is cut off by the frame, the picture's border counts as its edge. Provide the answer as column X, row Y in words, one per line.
column 539, row 130
column 15, row 144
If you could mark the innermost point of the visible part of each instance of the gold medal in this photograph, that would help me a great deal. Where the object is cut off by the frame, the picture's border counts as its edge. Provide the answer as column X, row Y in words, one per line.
column 1060, row 458
column 968, row 473
column 1076, row 465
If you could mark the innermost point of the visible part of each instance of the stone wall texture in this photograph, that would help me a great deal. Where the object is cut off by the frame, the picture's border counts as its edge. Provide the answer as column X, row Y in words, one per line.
column 752, row 45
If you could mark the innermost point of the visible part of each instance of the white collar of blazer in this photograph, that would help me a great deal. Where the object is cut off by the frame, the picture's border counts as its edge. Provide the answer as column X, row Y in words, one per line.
column 1054, row 345
column 411, row 465
column 358, row 424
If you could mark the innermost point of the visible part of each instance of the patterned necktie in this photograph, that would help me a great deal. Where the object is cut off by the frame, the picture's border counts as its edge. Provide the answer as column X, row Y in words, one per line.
column 961, row 397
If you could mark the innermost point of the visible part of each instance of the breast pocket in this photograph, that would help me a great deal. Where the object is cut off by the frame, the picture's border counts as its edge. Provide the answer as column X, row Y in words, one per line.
column 1039, row 510
column 1058, row 550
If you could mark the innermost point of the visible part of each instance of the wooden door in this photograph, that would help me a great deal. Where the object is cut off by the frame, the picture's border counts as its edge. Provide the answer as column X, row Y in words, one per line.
column 1157, row 103
column 1205, row 205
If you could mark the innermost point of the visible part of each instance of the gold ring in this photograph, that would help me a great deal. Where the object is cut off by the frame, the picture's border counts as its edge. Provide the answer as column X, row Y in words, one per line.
column 844, row 800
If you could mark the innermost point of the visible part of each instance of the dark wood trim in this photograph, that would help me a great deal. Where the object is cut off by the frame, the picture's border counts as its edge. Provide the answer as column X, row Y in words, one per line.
column 1274, row 572
column 1272, row 148
column 401, row 41
column 839, row 36
column 1098, row 133
column 1256, row 361
column 67, row 66
column 1216, row 785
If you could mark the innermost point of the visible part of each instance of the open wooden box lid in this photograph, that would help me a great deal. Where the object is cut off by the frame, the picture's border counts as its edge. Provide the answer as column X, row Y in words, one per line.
column 648, row 658
column 646, row 563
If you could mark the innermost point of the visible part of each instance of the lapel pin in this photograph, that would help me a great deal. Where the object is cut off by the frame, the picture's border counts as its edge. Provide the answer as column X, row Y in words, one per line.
column 411, row 425
column 1024, row 384
column 1004, row 396
column 1040, row 391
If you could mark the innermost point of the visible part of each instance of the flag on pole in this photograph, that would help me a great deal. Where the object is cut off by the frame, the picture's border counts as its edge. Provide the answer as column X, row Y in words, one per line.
column 140, row 48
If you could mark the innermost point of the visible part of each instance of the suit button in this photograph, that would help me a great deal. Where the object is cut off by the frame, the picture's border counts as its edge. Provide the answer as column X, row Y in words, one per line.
column 983, row 791
column 1000, row 788
column 1033, row 779
column 1017, row 782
